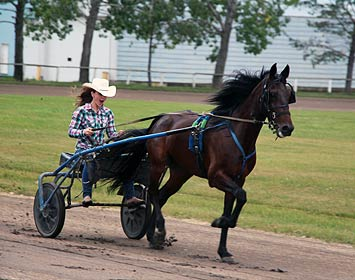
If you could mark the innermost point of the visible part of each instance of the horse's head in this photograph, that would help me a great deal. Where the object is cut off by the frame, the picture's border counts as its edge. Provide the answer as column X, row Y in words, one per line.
column 276, row 96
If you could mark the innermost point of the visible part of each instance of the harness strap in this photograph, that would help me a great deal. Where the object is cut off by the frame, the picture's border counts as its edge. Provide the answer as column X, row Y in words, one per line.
column 240, row 147
column 196, row 139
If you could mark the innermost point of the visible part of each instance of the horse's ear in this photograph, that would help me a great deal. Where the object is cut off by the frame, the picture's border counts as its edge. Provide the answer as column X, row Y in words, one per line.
column 273, row 71
column 285, row 72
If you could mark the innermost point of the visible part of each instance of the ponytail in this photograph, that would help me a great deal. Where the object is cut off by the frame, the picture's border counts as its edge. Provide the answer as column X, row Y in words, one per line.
column 84, row 97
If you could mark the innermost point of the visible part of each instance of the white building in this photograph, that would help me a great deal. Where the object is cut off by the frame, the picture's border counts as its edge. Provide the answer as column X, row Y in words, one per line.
column 64, row 56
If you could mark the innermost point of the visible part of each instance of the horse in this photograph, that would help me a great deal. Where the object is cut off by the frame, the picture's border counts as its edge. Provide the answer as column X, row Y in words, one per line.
column 220, row 148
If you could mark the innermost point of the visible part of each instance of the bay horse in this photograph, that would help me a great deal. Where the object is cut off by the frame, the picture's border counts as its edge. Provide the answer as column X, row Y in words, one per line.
column 221, row 149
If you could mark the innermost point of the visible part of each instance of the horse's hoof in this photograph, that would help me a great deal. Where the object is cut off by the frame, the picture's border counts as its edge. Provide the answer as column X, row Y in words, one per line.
column 221, row 222
column 229, row 260
column 158, row 240
column 156, row 246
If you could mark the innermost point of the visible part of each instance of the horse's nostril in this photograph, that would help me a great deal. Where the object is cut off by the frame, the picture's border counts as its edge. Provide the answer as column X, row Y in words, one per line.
column 287, row 130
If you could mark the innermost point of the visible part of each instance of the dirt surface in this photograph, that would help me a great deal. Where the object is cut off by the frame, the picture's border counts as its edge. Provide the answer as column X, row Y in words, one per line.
column 92, row 245
column 302, row 103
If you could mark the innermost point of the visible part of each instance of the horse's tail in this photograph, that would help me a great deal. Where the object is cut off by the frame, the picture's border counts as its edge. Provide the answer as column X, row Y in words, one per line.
column 126, row 158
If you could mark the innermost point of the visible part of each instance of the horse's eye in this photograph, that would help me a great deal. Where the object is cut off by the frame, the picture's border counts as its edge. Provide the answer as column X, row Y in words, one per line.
column 272, row 95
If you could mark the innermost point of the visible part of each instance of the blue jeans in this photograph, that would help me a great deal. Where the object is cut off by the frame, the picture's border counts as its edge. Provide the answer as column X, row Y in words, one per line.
column 128, row 188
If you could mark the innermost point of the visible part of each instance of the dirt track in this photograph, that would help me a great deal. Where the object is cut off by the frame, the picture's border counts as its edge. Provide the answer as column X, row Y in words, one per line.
column 92, row 244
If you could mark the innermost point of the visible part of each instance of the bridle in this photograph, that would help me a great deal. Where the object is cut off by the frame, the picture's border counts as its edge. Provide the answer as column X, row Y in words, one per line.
column 272, row 112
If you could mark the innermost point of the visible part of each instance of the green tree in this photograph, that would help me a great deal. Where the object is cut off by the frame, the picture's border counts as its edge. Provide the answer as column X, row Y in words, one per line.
column 155, row 21
column 336, row 20
column 42, row 19
column 90, row 25
column 54, row 17
column 255, row 23
column 18, row 9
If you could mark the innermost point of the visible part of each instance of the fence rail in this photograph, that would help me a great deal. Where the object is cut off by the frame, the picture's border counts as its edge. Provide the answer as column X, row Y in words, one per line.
column 65, row 73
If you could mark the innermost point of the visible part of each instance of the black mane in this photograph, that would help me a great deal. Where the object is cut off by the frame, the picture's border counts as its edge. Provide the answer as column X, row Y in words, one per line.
column 235, row 91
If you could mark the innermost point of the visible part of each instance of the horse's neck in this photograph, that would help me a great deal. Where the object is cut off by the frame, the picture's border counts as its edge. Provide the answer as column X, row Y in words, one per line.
column 251, row 109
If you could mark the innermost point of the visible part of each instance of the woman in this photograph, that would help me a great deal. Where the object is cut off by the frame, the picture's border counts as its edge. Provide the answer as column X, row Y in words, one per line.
column 89, row 114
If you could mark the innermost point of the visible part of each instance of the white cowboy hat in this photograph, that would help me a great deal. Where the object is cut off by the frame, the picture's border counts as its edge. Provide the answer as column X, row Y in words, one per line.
column 102, row 86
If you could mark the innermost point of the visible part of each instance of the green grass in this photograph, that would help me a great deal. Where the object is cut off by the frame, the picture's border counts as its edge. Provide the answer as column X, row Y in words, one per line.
column 302, row 185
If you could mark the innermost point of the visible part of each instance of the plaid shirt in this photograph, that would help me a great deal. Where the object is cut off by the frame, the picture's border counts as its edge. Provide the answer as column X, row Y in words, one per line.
column 84, row 117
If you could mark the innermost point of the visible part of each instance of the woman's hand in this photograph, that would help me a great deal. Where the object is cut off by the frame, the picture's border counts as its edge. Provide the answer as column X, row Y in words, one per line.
column 88, row 131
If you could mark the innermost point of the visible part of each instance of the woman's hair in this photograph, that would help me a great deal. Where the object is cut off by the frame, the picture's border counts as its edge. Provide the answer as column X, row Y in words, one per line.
column 84, row 97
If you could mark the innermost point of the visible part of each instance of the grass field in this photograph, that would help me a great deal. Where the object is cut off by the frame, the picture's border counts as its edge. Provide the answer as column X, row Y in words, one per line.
column 302, row 185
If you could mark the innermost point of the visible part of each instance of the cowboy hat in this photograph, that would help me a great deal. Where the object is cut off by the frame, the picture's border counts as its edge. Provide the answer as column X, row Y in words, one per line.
column 102, row 86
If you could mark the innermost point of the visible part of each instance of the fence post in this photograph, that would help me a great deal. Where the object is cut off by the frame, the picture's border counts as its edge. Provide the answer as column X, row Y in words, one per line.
column 57, row 74
column 128, row 77
column 94, row 72
column 194, row 80
column 38, row 73
column 161, row 83
column 105, row 75
column 295, row 85
column 330, row 86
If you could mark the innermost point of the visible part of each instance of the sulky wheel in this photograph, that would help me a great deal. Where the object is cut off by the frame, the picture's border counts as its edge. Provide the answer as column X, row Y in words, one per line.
column 135, row 220
column 50, row 220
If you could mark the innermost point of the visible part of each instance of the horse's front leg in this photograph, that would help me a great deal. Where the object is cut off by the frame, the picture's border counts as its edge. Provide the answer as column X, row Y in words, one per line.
column 222, row 248
column 232, row 191
column 228, row 220
column 241, row 197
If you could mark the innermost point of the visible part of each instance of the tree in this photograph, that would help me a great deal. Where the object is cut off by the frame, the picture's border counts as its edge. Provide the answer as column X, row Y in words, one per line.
column 255, row 22
column 62, row 12
column 42, row 19
column 335, row 19
column 91, row 20
column 19, row 11
column 156, row 22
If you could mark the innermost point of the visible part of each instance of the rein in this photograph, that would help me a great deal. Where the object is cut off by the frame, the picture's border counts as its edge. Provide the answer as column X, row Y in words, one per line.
column 130, row 122
column 203, row 114
column 236, row 119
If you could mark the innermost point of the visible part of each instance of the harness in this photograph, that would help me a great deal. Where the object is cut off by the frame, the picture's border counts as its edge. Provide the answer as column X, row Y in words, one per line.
column 196, row 141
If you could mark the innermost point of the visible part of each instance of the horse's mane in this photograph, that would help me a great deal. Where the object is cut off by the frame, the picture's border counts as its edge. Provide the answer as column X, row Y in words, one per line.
column 234, row 91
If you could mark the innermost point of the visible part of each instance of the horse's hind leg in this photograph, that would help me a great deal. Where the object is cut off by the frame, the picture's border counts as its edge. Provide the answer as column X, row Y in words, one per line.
column 156, row 239
column 177, row 178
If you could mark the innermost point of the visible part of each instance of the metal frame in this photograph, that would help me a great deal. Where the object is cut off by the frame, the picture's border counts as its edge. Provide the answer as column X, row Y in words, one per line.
column 60, row 176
